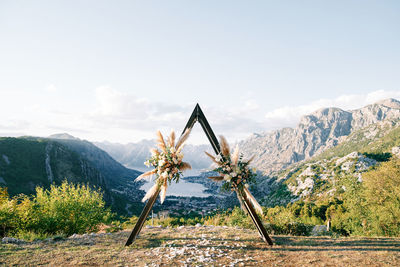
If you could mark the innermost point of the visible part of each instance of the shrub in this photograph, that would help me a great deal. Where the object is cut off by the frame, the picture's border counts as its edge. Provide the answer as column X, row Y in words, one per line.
column 69, row 209
column 292, row 228
column 8, row 216
column 237, row 217
column 64, row 209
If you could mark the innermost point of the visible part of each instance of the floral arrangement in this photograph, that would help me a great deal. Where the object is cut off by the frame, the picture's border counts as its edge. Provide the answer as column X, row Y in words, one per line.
column 167, row 163
column 234, row 172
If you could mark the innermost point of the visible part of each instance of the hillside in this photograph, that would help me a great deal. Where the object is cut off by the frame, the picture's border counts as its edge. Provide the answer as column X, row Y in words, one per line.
column 114, row 172
column 26, row 164
column 30, row 161
column 325, row 175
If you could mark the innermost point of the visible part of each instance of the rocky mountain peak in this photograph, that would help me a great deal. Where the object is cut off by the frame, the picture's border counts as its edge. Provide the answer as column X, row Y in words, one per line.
column 390, row 103
column 325, row 117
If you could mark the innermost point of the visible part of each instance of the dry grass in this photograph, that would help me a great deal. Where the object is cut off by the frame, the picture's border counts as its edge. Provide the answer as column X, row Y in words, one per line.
column 204, row 246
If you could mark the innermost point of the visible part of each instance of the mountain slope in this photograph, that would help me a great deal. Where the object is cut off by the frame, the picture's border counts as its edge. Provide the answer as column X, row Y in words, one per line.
column 315, row 133
column 30, row 161
column 112, row 170
column 26, row 164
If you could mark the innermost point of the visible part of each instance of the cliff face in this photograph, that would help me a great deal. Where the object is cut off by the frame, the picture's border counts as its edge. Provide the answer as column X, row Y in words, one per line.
column 323, row 129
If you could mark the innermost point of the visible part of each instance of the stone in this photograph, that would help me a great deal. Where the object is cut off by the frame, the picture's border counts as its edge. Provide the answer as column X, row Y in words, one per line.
column 396, row 151
column 319, row 230
column 12, row 240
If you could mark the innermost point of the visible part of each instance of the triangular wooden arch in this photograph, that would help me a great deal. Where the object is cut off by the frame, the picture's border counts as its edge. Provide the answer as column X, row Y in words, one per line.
column 198, row 116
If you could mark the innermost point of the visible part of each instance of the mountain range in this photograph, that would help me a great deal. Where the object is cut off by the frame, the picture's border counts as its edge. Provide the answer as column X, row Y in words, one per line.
column 307, row 161
column 278, row 149
column 287, row 158
column 133, row 155
column 315, row 133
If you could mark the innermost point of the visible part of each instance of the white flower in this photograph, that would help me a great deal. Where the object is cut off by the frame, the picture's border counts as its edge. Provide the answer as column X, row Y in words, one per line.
column 161, row 162
column 164, row 175
column 228, row 168
column 233, row 174
column 227, row 177
column 218, row 158
column 167, row 169
column 172, row 149
column 180, row 156
column 147, row 163
column 246, row 185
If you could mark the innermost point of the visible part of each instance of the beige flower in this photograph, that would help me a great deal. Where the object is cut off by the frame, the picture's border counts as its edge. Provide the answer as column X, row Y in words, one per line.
column 227, row 177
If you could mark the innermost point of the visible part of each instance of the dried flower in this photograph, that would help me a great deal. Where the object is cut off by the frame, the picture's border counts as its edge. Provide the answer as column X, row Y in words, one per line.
column 167, row 163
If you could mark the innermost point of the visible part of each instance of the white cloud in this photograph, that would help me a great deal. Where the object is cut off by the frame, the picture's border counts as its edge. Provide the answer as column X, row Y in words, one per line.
column 51, row 88
column 116, row 116
column 121, row 113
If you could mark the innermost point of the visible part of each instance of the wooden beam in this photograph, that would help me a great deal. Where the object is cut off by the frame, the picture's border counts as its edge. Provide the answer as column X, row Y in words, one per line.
column 142, row 218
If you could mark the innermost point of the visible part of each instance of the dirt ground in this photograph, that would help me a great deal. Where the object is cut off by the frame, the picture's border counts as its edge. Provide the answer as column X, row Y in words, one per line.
column 202, row 246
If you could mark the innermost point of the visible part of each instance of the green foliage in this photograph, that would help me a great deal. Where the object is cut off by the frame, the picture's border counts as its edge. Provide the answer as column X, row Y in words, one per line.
column 236, row 217
column 371, row 207
column 9, row 218
column 379, row 156
column 3, row 194
column 382, row 199
column 64, row 209
column 279, row 220
column 292, row 228
column 347, row 217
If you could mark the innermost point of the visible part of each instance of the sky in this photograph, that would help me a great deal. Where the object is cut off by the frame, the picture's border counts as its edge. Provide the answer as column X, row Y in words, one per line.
column 120, row 70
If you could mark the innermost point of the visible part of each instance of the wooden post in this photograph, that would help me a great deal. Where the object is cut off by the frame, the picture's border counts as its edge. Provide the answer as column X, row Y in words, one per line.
column 142, row 218
column 253, row 215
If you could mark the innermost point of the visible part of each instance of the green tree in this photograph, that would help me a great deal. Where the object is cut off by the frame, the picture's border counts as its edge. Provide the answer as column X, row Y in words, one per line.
column 382, row 194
